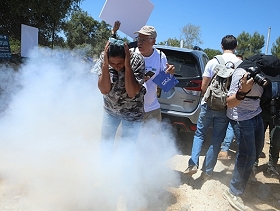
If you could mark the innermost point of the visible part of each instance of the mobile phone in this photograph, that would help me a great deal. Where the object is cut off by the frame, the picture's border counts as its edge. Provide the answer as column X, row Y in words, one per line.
column 149, row 73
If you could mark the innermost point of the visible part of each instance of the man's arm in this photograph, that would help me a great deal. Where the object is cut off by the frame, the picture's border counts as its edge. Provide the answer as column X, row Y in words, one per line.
column 104, row 82
column 115, row 28
column 245, row 87
column 204, row 84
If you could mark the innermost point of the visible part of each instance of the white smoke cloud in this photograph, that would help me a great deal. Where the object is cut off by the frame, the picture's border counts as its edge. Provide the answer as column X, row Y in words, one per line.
column 49, row 145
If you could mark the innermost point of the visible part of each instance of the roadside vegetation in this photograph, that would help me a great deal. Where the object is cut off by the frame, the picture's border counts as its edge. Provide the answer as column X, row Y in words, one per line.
column 62, row 24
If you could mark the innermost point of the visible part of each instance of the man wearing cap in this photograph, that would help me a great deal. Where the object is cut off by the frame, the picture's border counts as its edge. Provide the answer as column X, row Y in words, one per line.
column 155, row 61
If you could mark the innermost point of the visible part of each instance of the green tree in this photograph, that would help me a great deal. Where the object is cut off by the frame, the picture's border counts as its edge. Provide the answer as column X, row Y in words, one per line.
column 275, row 50
column 102, row 35
column 82, row 30
column 46, row 15
column 249, row 45
column 191, row 36
column 171, row 42
column 14, row 45
column 211, row 52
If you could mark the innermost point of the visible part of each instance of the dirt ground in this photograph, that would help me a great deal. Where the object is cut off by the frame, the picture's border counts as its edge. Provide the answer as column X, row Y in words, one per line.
column 196, row 195
column 192, row 194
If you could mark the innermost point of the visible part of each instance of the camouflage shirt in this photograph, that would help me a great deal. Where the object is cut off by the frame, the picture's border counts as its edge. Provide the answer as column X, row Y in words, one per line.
column 117, row 102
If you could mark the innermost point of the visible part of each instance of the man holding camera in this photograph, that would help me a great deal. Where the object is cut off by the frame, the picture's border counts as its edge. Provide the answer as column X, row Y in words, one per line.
column 244, row 112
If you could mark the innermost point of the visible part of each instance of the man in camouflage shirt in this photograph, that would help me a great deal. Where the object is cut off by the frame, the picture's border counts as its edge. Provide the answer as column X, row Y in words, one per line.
column 121, row 79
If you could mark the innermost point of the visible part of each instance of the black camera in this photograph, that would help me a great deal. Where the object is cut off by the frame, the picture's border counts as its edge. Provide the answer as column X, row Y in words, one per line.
column 255, row 73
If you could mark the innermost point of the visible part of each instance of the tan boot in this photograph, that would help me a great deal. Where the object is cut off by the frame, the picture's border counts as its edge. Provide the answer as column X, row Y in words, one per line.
column 223, row 155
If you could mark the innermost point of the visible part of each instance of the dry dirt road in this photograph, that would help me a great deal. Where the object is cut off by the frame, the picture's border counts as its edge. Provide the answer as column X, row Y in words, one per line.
column 192, row 194
column 196, row 195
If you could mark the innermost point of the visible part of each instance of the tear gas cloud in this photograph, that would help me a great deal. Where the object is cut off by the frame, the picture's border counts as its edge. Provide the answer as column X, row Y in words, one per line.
column 49, row 143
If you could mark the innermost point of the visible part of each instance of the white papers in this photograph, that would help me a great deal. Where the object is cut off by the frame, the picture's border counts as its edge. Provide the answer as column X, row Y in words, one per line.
column 29, row 39
column 133, row 14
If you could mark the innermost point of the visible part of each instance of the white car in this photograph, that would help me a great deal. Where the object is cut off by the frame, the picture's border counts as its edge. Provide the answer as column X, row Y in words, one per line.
column 181, row 105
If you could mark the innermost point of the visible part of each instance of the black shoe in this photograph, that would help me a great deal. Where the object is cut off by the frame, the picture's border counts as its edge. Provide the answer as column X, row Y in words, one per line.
column 254, row 169
column 252, row 178
column 272, row 172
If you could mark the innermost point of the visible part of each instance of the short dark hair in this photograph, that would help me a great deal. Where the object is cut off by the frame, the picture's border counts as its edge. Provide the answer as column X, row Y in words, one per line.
column 116, row 50
column 229, row 42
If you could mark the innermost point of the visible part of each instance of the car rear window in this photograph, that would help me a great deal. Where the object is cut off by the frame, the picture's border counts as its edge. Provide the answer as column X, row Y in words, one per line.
column 185, row 63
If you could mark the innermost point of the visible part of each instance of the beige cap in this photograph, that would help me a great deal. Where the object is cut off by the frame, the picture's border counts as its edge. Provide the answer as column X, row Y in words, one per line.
column 147, row 30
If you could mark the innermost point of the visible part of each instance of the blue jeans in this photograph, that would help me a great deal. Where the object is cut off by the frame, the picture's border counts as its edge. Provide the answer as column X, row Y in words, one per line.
column 228, row 139
column 249, row 136
column 110, row 124
column 207, row 118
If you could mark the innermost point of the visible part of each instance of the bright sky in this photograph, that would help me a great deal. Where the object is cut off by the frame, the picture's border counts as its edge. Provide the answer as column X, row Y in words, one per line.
column 216, row 18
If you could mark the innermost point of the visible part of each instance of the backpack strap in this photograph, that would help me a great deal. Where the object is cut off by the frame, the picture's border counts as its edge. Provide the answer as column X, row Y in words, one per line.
column 220, row 59
column 160, row 58
column 238, row 63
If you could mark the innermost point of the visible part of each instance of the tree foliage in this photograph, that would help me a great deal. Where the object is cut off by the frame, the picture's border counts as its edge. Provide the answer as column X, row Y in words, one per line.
column 46, row 15
column 211, row 52
column 191, row 36
column 55, row 17
column 171, row 42
column 82, row 30
column 275, row 50
column 249, row 45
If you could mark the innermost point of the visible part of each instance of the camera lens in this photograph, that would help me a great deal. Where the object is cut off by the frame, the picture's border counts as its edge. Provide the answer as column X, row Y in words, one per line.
column 261, row 80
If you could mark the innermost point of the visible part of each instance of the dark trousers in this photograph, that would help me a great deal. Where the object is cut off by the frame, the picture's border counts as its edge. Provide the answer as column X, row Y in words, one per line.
column 274, row 149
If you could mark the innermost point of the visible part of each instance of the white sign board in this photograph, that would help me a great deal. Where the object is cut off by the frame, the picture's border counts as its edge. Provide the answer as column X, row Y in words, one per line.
column 29, row 39
column 133, row 14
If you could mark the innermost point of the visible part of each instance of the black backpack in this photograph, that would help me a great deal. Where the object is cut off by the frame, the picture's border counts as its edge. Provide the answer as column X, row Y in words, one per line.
column 270, row 68
column 269, row 64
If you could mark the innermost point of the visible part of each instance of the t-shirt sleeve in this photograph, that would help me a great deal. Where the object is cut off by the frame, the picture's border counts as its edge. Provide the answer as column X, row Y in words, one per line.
column 138, row 67
column 236, row 76
column 97, row 68
column 209, row 68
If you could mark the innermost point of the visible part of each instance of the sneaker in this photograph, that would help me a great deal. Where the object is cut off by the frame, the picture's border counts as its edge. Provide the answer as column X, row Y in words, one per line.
column 273, row 172
column 204, row 176
column 223, row 155
column 191, row 170
column 234, row 201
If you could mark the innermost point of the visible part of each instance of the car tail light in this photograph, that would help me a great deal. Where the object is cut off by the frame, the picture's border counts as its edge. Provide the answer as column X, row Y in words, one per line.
column 193, row 127
column 183, row 127
column 194, row 85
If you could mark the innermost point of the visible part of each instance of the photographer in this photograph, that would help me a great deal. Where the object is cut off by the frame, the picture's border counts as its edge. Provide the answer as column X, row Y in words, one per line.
column 244, row 112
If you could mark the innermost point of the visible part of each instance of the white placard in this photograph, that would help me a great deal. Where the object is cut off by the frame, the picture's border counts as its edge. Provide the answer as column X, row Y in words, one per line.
column 133, row 14
column 29, row 39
